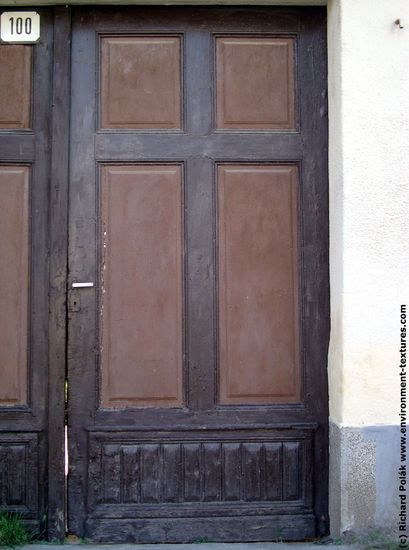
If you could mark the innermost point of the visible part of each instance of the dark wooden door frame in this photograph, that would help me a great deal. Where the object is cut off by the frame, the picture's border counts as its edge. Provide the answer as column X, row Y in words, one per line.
column 58, row 226
column 310, row 155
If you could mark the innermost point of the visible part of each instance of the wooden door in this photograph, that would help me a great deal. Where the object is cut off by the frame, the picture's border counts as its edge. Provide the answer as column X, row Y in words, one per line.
column 198, row 235
column 25, row 99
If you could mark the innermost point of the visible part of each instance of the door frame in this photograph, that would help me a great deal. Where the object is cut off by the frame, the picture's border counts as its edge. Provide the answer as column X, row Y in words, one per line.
column 58, row 231
column 58, row 226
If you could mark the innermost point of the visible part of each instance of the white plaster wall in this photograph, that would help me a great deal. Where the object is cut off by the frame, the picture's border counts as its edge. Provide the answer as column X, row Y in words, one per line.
column 369, row 205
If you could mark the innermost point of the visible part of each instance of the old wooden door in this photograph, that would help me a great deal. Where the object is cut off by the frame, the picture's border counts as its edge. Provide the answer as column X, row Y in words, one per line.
column 25, row 98
column 198, row 307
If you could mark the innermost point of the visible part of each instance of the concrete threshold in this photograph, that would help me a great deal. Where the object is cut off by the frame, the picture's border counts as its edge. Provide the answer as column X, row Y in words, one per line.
column 198, row 546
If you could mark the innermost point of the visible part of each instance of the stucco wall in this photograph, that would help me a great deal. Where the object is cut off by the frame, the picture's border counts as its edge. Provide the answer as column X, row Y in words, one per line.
column 369, row 254
column 369, row 194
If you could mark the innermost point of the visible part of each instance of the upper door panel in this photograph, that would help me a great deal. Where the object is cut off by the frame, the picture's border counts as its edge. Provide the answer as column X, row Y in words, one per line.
column 141, row 82
column 255, row 82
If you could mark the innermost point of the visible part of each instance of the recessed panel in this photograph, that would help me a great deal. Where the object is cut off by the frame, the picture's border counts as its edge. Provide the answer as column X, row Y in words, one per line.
column 14, row 224
column 15, row 86
column 19, row 472
column 141, row 82
column 255, row 83
column 200, row 472
column 141, row 279
column 258, row 284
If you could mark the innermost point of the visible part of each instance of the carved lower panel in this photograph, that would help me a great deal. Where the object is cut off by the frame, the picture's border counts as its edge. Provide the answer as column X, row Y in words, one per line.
column 211, row 471
column 19, row 472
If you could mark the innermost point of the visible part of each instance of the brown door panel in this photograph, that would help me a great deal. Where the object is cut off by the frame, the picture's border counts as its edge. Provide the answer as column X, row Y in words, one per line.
column 141, row 286
column 259, row 359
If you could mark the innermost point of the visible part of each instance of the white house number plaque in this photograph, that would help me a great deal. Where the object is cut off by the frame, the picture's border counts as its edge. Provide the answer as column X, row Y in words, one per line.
column 20, row 27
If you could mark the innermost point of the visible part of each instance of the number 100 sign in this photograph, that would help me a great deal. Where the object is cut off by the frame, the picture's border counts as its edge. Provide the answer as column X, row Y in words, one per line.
column 20, row 26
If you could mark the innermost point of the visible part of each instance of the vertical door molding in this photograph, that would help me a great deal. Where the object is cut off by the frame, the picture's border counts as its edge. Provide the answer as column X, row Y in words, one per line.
column 58, row 270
